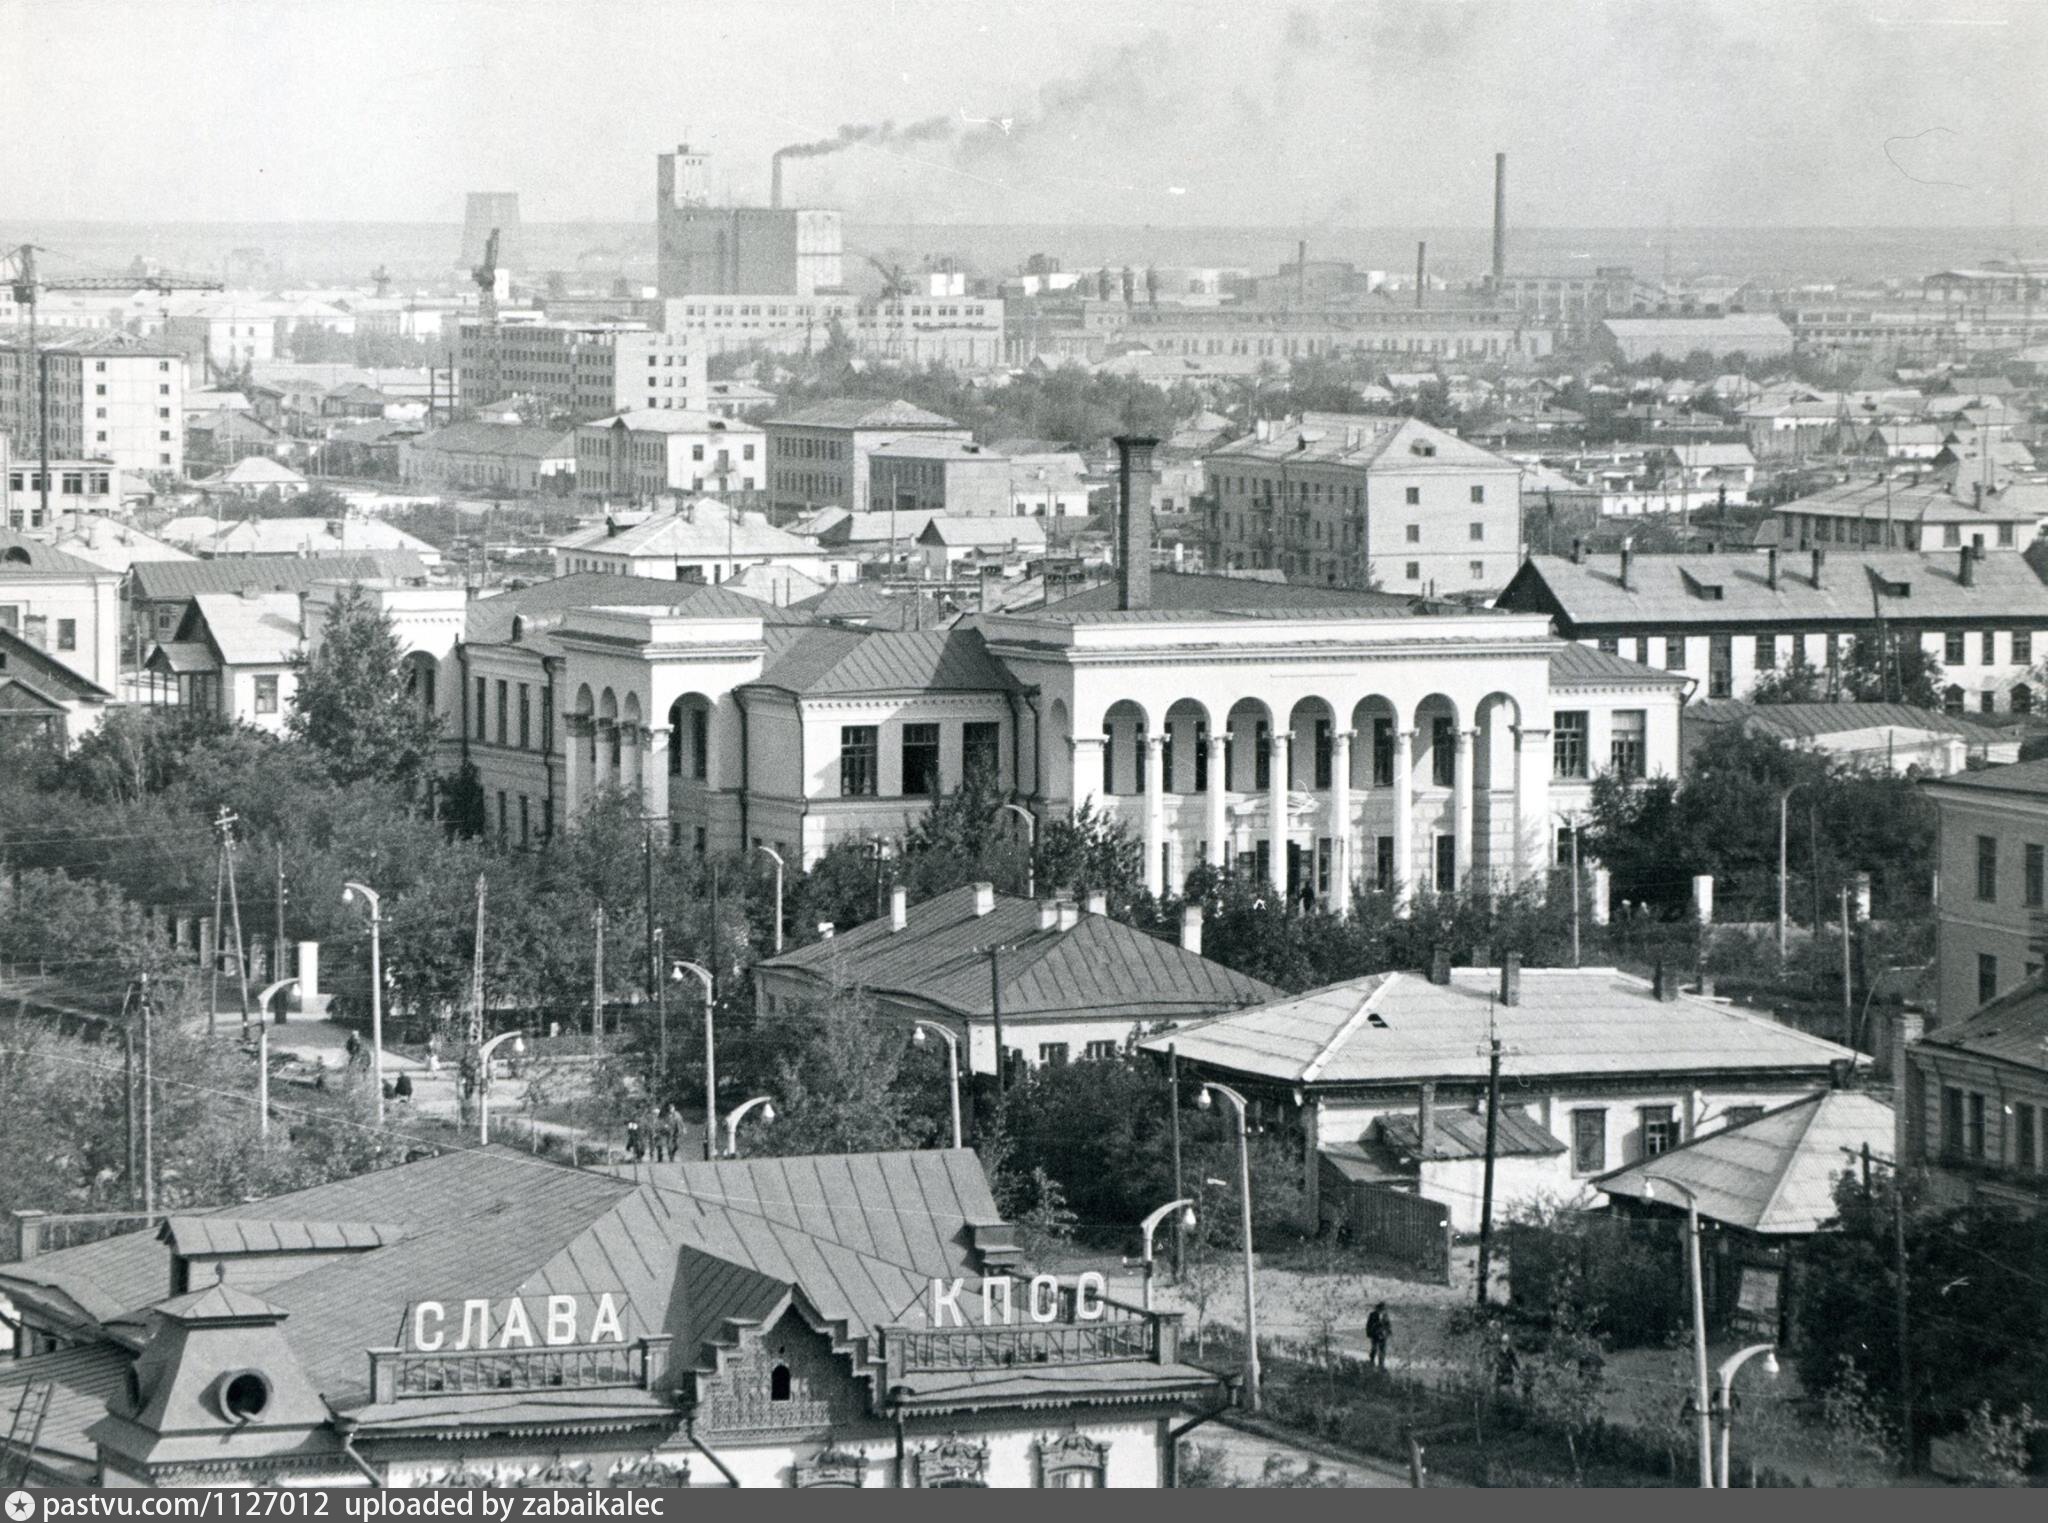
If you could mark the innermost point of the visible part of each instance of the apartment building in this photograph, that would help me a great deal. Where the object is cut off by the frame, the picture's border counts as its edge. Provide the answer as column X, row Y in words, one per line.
column 1352, row 500
column 1973, row 1113
column 1991, row 859
column 1940, row 511
column 638, row 455
column 939, row 474
column 112, row 397
column 62, row 605
column 961, row 332
column 818, row 456
column 507, row 456
column 582, row 370
column 1089, row 331
column 1724, row 620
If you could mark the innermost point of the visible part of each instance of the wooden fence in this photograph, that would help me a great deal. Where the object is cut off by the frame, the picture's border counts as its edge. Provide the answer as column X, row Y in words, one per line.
column 1397, row 1225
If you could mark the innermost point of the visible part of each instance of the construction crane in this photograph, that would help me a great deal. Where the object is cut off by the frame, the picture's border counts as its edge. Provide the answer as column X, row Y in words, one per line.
column 895, row 288
column 18, row 269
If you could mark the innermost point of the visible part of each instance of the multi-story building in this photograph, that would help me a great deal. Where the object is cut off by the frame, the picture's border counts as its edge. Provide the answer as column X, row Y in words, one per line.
column 75, row 487
column 1758, row 335
column 1991, row 862
column 1973, row 1102
column 1724, row 620
column 67, row 608
column 1575, row 300
column 939, row 474
column 639, row 455
column 706, row 250
column 818, row 456
column 582, row 371
column 961, row 332
column 1086, row 330
column 112, row 397
column 234, row 655
column 1356, row 501
column 1944, row 510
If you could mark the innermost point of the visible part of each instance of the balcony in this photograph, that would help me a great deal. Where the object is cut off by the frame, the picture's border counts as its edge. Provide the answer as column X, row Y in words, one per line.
column 396, row 1373
column 1122, row 1335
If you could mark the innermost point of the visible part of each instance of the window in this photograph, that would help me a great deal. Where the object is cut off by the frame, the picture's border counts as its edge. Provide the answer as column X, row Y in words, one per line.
column 1589, row 1142
column 525, row 822
column 1383, row 753
column 1262, row 755
column 700, row 744
column 1478, row 495
column 1476, row 532
column 1383, row 863
column 1720, row 666
column 1446, row 864
column 504, row 706
column 525, row 721
column 1414, row 496
column 1477, row 570
column 1412, row 571
column 1324, row 753
column 920, row 760
column 1660, row 1130
column 1099, row 1052
column 2036, row 875
column 1609, row 645
column 1741, row 1115
column 1415, row 534
column 1973, row 1140
column 858, row 774
column 1990, row 648
column 1987, row 978
column 1642, row 650
column 1951, row 1122
column 981, row 750
column 2024, row 1151
column 1568, row 744
column 1443, row 754
column 266, row 695
column 1674, row 653
column 1052, row 1054
column 1987, row 869
column 1201, row 756
column 1952, row 652
column 779, row 1383
column 1766, row 652
column 482, row 697
column 67, row 634
column 2022, row 647
column 504, row 815
column 1628, row 746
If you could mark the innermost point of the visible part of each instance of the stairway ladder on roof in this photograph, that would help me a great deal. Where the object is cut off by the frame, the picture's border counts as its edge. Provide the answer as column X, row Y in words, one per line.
column 26, row 1430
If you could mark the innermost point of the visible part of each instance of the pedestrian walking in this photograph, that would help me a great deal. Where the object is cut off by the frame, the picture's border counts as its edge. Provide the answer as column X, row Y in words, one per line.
column 403, row 1088
column 1379, row 1331
column 671, row 1143
column 636, row 1145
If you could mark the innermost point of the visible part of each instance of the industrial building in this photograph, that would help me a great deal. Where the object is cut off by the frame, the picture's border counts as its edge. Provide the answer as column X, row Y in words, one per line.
column 706, row 250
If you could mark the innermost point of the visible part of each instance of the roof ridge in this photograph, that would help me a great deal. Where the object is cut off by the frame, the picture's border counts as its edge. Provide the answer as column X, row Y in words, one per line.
column 1790, row 1155
column 1357, row 1018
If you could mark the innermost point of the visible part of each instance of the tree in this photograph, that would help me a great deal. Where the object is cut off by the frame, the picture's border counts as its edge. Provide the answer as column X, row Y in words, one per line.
column 1799, row 682
column 957, row 841
column 837, row 1091
column 352, row 704
column 1092, row 852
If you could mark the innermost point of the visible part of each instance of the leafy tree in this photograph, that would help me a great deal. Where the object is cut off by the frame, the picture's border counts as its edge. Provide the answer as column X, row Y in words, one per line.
column 352, row 705
column 838, row 1092
column 1092, row 852
column 1799, row 682
column 958, row 841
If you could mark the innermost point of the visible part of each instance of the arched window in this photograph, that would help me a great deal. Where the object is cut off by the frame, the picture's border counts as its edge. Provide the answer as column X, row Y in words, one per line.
column 2022, row 700
column 778, row 1383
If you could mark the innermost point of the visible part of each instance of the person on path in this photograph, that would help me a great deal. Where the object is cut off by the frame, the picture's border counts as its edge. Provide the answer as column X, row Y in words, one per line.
column 671, row 1131
column 1379, row 1331
column 636, row 1145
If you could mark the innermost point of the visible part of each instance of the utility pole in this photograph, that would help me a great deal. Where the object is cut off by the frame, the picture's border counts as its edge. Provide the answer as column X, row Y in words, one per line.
column 476, row 978
column 1906, row 1444
column 661, row 1017
column 277, row 929
column 597, row 979
column 1179, row 1193
column 227, row 824
column 148, row 1111
column 1492, row 1139
column 1848, row 1001
column 995, row 1006
column 1575, row 894
column 128, row 1090
column 653, row 957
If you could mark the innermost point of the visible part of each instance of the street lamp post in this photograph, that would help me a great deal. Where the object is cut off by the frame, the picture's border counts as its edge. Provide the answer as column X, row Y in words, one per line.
column 703, row 976
column 263, row 1053
column 1784, row 798
column 1030, row 845
column 349, row 893
column 1244, row 1200
column 1571, row 823
column 952, row 1065
column 1150, row 1225
column 762, row 1103
column 1726, row 1411
column 483, row 1078
column 1704, row 1414
column 776, row 857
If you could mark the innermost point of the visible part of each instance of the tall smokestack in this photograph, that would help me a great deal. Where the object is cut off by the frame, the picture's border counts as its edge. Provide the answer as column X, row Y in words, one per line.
column 1134, row 521
column 1500, row 220
column 775, row 182
column 1421, row 271
column 1301, row 273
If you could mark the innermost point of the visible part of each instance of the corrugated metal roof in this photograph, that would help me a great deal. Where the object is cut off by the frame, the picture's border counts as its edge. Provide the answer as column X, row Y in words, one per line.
column 155, row 581
column 488, row 621
column 1670, row 591
column 1399, row 1028
column 707, row 530
column 1772, row 1175
column 1361, row 441
column 1945, row 497
column 1100, row 966
column 1800, row 721
column 215, row 1236
column 21, row 556
column 83, row 1380
column 837, row 660
column 1462, row 1134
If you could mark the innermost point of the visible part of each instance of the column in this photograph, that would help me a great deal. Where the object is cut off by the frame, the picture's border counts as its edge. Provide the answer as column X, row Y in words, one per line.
column 1219, row 828
column 1532, row 800
column 653, row 746
column 575, row 728
column 1155, row 812
column 1461, row 809
column 1340, row 819
column 1404, row 824
column 1087, row 770
column 1276, row 810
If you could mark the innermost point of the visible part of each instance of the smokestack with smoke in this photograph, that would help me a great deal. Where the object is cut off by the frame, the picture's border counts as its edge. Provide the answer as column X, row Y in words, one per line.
column 857, row 135
column 1500, row 221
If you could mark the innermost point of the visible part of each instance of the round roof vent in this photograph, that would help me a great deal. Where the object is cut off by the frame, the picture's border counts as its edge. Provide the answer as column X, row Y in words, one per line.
column 244, row 1395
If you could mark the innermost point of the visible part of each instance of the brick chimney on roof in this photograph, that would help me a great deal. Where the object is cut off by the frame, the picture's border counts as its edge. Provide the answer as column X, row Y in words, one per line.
column 1134, row 521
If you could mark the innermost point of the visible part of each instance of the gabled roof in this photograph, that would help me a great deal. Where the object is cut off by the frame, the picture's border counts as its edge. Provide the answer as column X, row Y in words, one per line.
column 1401, row 1029
column 1100, row 966
column 2028, row 778
column 862, row 413
column 262, row 630
column 960, row 531
column 1362, row 440
column 37, row 671
column 23, row 557
column 820, row 662
column 675, row 420
column 2013, row 1028
column 488, row 621
column 254, row 471
column 1774, row 1175
column 705, row 529
column 154, row 581
column 1671, row 591
column 506, row 440
column 1803, row 721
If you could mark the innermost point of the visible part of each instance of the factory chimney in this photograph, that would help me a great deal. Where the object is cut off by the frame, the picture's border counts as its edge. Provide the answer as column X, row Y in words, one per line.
column 1301, row 273
column 1421, row 272
column 775, row 181
column 1500, row 221
column 1134, row 522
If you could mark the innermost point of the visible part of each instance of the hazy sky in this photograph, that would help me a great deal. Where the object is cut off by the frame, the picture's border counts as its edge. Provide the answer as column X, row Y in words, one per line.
column 1614, row 112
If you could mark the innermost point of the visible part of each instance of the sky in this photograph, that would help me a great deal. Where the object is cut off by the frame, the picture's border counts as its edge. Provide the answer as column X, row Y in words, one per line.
column 1617, row 113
